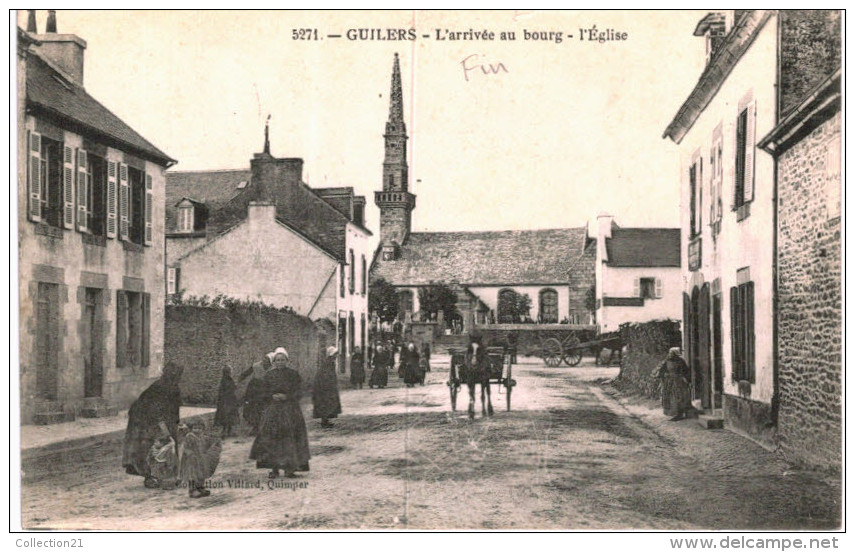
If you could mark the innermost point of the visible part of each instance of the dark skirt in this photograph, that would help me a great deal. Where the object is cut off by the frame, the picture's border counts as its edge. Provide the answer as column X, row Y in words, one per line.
column 357, row 373
column 676, row 396
column 138, row 442
column 412, row 374
column 282, row 442
column 379, row 377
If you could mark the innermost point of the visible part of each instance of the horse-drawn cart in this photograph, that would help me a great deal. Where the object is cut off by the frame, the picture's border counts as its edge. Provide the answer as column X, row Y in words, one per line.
column 569, row 349
column 500, row 373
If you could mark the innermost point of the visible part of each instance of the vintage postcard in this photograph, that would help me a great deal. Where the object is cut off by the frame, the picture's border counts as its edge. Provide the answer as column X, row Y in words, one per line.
column 429, row 270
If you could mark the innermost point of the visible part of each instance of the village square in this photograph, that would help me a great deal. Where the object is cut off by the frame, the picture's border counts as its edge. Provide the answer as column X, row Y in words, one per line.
column 260, row 348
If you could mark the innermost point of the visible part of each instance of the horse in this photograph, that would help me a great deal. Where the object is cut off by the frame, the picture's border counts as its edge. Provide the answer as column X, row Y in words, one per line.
column 476, row 369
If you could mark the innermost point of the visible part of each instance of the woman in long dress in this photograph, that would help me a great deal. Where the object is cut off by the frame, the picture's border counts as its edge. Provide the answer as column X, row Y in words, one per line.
column 357, row 368
column 155, row 414
column 674, row 375
column 380, row 371
column 227, row 404
column 325, row 390
column 255, row 394
column 410, row 365
column 283, row 441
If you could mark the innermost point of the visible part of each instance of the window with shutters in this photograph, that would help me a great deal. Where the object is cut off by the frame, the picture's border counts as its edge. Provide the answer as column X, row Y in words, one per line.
column 352, row 286
column 136, row 205
column 172, row 280
column 716, row 179
column 696, row 194
column 96, row 196
column 48, row 326
column 647, row 288
column 743, row 185
column 133, row 320
column 549, row 306
column 364, row 276
column 742, row 332
column 50, row 180
column 185, row 217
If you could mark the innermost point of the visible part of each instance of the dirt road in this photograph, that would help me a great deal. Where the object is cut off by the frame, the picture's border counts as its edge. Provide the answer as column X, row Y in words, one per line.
column 572, row 454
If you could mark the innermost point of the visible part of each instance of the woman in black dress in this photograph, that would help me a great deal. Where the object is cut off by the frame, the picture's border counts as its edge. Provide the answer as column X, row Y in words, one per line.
column 283, row 441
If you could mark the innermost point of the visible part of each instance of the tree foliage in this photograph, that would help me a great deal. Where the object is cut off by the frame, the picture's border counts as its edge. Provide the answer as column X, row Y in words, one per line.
column 438, row 297
column 383, row 300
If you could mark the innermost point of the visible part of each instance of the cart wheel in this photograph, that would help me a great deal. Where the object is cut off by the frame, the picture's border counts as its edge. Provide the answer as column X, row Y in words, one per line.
column 552, row 352
column 573, row 357
column 509, row 386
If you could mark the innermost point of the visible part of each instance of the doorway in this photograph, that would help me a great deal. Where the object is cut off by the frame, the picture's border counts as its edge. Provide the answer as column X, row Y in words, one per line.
column 93, row 370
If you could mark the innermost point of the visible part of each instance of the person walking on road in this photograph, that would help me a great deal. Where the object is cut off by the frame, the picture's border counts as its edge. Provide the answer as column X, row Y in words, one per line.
column 357, row 368
column 675, row 377
column 227, row 404
column 410, row 364
column 380, row 371
column 325, row 397
column 282, row 442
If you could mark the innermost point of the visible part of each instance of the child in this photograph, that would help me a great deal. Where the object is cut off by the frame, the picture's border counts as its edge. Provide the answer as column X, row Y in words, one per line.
column 162, row 460
column 198, row 456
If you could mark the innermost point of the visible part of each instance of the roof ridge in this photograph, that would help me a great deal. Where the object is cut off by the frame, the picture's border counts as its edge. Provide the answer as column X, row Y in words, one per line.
column 499, row 231
column 208, row 171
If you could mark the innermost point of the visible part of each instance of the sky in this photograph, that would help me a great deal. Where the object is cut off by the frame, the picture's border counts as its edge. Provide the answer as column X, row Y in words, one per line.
column 548, row 136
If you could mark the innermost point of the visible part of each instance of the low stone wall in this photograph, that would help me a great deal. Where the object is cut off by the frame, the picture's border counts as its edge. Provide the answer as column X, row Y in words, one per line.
column 203, row 340
column 645, row 346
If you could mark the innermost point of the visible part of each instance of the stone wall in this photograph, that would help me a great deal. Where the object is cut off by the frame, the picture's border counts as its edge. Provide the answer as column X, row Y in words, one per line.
column 810, row 316
column 581, row 278
column 203, row 340
column 645, row 347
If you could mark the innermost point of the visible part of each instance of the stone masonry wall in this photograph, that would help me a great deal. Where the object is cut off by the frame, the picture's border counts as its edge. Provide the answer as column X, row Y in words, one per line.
column 645, row 347
column 203, row 340
column 809, row 267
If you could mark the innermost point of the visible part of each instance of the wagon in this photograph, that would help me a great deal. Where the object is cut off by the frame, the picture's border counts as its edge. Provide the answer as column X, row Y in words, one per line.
column 567, row 348
column 501, row 370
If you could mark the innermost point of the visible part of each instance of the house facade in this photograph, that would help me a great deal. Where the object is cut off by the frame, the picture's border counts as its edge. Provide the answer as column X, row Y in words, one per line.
column 91, row 241
column 486, row 270
column 638, row 274
column 728, row 214
column 263, row 235
column 806, row 144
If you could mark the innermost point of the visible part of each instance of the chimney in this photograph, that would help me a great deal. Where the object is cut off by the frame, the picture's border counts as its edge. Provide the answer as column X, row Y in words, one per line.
column 31, row 22
column 604, row 225
column 51, row 22
column 260, row 212
column 64, row 51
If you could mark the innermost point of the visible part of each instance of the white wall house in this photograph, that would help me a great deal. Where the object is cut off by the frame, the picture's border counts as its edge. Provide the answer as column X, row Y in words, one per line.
column 638, row 275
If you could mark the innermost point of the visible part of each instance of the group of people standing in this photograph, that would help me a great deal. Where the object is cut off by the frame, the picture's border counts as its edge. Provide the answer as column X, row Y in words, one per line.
column 413, row 365
column 164, row 452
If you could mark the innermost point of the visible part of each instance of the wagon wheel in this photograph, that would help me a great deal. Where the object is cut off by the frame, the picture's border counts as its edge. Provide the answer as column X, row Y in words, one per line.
column 509, row 385
column 552, row 352
column 572, row 357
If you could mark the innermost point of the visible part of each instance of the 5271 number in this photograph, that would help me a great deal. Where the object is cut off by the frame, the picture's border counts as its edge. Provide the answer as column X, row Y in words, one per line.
column 304, row 34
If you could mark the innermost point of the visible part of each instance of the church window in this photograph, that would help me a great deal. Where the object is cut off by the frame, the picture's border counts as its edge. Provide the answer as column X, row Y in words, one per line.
column 549, row 306
column 507, row 306
column 405, row 302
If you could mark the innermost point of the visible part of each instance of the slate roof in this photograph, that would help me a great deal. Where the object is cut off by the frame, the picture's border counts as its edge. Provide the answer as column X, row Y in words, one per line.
column 515, row 257
column 297, row 205
column 50, row 93
column 643, row 247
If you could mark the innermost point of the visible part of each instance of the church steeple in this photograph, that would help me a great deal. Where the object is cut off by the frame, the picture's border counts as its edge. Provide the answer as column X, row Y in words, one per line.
column 395, row 201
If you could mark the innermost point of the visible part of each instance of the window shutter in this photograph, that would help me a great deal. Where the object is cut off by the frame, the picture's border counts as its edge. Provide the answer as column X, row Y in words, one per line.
column 713, row 183
column 750, row 142
column 658, row 288
column 687, row 319
column 121, row 328
column 34, row 209
column 170, row 281
column 148, row 207
column 124, row 205
column 112, row 184
column 749, row 331
column 734, row 334
column 68, row 187
column 145, row 304
column 636, row 287
column 83, row 184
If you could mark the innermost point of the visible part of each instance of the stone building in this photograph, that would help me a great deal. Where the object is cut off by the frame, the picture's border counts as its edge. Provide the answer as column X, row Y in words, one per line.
column 759, row 64
column 806, row 145
column 262, row 234
column 554, row 267
column 638, row 274
column 90, row 235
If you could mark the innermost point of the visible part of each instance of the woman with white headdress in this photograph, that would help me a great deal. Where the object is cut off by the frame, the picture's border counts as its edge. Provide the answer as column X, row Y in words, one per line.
column 675, row 377
column 254, row 397
column 283, row 441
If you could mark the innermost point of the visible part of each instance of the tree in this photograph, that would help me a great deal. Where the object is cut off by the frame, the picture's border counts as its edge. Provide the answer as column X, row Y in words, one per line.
column 383, row 300
column 522, row 306
column 591, row 298
column 438, row 297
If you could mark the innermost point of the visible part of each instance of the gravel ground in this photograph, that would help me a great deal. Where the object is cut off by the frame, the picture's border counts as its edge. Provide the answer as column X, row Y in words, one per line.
column 572, row 454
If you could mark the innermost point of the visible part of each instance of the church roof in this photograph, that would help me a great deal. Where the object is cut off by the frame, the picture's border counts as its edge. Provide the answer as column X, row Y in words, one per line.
column 513, row 257
column 643, row 247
